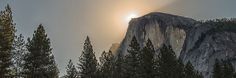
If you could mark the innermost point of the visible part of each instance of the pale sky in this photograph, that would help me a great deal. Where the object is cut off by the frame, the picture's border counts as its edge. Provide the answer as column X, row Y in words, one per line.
column 68, row 22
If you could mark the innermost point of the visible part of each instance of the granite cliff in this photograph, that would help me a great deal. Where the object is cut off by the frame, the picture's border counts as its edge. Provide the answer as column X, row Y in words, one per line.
column 192, row 40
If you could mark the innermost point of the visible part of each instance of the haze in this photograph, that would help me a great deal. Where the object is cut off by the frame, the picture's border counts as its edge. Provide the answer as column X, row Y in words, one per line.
column 68, row 22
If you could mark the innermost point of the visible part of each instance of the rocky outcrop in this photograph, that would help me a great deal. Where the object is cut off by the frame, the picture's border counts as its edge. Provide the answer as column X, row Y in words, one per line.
column 190, row 39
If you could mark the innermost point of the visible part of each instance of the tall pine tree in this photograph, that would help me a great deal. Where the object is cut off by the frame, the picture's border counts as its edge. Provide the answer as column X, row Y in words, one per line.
column 190, row 72
column 228, row 70
column 167, row 63
column 180, row 69
column 39, row 61
column 170, row 67
column 7, row 33
column 87, row 61
column 146, row 57
column 131, row 59
column 119, row 66
column 217, row 70
column 107, row 65
column 18, row 51
column 71, row 71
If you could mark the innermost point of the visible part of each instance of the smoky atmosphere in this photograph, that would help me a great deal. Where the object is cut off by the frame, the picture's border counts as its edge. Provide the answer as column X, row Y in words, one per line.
column 117, row 39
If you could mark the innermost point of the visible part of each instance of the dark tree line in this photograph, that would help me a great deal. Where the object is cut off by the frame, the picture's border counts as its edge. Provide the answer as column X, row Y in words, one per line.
column 137, row 63
column 20, row 59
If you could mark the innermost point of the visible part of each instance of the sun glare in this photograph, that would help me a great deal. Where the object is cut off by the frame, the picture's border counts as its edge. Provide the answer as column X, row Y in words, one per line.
column 130, row 16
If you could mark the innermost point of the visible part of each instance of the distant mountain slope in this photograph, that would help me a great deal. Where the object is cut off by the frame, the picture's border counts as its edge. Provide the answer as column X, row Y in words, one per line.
column 191, row 40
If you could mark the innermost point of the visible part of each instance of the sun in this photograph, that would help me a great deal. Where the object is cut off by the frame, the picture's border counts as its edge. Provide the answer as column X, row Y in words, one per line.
column 131, row 16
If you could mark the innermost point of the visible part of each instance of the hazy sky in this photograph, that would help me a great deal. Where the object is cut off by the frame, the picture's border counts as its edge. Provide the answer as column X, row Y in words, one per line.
column 68, row 22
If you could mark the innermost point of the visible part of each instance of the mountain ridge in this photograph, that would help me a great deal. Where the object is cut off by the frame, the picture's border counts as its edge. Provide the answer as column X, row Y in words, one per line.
column 190, row 39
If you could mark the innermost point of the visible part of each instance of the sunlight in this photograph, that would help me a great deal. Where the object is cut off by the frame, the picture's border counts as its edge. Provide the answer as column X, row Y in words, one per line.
column 130, row 16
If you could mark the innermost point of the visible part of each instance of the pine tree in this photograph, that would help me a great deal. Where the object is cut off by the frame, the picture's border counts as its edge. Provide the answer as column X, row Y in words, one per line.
column 217, row 70
column 189, row 71
column 119, row 66
column 107, row 65
column 146, row 57
column 167, row 63
column 7, row 33
column 19, row 51
column 39, row 61
column 228, row 70
column 71, row 71
column 180, row 69
column 131, row 60
column 87, row 62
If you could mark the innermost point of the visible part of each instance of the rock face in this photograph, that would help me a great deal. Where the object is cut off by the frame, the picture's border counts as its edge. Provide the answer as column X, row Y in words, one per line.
column 160, row 28
column 188, row 38
column 202, row 48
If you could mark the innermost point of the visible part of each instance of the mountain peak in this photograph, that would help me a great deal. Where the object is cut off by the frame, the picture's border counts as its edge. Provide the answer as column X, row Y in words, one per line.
column 165, row 19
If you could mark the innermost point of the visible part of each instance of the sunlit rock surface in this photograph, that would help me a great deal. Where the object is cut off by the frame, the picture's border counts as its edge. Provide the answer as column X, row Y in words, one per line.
column 187, row 37
column 159, row 28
